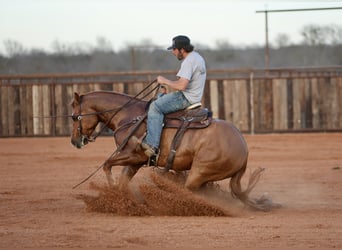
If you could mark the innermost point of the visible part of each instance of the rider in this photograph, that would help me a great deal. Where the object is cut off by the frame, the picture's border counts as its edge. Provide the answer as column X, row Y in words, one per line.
column 189, row 90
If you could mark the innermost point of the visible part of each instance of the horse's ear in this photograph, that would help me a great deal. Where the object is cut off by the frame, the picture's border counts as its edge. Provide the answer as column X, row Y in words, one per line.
column 76, row 100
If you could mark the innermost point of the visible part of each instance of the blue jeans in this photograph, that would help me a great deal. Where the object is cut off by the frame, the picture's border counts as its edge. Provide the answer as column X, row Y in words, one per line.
column 165, row 104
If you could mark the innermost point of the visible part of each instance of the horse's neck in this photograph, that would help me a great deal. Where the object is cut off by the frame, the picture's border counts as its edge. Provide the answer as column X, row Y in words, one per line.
column 119, row 110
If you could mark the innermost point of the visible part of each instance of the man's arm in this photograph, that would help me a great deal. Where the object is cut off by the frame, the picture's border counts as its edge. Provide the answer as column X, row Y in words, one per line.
column 179, row 84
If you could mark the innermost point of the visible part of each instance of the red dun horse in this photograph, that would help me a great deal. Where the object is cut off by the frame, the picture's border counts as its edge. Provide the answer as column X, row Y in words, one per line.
column 210, row 154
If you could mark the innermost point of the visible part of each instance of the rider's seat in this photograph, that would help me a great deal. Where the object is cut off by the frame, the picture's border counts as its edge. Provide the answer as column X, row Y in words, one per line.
column 195, row 105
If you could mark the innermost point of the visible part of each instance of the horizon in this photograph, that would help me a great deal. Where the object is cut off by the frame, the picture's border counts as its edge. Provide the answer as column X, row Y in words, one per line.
column 38, row 24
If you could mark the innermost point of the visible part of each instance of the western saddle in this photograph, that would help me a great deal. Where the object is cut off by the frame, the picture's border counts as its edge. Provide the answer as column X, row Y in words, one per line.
column 193, row 117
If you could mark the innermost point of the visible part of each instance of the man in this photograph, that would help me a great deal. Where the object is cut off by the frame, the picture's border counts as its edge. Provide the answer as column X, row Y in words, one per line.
column 189, row 90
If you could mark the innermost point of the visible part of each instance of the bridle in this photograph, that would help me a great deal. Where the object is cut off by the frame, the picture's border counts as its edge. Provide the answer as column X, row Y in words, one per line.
column 84, row 138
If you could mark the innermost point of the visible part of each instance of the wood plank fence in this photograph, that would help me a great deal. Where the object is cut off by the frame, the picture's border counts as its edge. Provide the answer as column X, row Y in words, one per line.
column 256, row 101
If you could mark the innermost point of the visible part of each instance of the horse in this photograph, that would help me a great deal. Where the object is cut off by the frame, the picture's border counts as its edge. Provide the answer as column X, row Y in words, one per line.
column 214, row 153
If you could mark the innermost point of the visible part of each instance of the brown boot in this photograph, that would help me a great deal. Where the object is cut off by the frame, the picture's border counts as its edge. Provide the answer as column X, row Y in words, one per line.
column 149, row 150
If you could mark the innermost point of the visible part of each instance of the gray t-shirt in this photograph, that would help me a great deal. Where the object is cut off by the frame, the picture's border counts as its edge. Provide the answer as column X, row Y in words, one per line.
column 193, row 68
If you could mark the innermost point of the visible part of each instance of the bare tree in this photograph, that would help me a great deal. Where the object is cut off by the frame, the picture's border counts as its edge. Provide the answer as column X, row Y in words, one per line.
column 59, row 48
column 312, row 35
column 319, row 35
column 13, row 48
column 282, row 40
column 223, row 44
column 334, row 34
column 103, row 44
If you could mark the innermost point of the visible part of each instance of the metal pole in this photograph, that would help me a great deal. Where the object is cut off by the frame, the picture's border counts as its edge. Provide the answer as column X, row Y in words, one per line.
column 133, row 68
column 267, row 59
column 267, row 50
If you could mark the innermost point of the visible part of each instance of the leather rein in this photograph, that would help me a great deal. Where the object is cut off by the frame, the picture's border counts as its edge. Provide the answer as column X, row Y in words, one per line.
column 78, row 117
column 137, row 121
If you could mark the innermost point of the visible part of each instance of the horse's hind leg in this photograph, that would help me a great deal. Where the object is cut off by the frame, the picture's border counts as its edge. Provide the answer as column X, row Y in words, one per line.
column 194, row 181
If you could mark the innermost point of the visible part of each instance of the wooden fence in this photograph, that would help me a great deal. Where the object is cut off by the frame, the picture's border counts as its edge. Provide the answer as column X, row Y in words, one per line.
column 256, row 101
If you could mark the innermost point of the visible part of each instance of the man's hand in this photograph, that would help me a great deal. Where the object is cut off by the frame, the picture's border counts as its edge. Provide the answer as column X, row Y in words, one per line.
column 162, row 80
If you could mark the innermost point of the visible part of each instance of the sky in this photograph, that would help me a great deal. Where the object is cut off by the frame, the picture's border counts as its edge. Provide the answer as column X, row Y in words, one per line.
column 37, row 24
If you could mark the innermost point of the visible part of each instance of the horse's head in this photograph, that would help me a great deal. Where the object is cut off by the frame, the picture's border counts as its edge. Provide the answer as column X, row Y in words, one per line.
column 84, row 121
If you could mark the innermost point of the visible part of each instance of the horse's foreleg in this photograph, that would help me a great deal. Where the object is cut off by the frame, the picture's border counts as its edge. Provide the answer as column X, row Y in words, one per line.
column 126, row 175
column 123, row 159
column 107, row 168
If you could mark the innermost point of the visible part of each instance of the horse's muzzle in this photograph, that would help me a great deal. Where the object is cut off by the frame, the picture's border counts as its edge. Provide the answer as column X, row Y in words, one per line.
column 81, row 141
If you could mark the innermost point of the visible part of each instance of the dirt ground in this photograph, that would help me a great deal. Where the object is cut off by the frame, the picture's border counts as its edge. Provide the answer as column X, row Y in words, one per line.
column 39, row 208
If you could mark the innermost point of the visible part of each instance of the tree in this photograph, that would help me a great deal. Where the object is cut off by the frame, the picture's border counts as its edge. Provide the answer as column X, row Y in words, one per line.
column 282, row 40
column 318, row 35
column 13, row 48
column 103, row 44
column 222, row 44
column 59, row 48
column 334, row 34
column 312, row 35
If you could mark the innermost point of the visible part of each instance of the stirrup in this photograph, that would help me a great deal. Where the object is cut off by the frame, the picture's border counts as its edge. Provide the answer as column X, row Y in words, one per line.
column 153, row 159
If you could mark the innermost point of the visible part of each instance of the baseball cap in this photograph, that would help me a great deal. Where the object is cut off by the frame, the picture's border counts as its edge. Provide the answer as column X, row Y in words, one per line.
column 180, row 42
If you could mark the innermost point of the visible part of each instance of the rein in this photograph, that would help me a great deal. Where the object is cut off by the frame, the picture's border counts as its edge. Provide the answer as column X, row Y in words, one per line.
column 137, row 121
column 76, row 117
column 135, row 98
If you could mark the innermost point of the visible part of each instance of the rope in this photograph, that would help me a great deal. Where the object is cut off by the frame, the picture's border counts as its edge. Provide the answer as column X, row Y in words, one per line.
column 93, row 173
column 126, row 105
column 138, row 121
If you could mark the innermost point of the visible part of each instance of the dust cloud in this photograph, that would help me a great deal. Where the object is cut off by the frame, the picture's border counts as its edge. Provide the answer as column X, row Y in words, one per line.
column 152, row 194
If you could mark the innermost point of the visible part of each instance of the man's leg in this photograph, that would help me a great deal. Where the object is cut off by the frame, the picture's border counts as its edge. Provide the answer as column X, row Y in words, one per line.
column 154, row 126
column 166, row 104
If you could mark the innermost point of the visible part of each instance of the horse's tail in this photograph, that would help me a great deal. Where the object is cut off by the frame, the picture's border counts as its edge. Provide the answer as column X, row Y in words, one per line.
column 263, row 203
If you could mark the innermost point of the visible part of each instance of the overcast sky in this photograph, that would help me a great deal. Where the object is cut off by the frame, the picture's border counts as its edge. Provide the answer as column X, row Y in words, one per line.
column 38, row 23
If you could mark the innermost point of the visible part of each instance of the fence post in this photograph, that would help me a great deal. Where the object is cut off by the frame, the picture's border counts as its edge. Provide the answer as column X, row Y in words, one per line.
column 251, row 100
column 53, row 107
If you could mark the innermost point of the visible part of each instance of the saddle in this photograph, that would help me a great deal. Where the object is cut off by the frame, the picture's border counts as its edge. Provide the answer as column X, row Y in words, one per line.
column 196, row 117
column 193, row 117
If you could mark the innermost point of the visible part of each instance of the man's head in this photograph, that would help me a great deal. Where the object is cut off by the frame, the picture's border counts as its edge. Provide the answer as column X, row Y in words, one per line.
column 181, row 42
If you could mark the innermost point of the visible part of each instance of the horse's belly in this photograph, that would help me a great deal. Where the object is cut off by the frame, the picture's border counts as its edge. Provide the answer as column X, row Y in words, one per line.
column 181, row 161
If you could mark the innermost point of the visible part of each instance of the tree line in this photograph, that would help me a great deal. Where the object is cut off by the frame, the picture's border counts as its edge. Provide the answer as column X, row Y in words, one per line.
column 321, row 46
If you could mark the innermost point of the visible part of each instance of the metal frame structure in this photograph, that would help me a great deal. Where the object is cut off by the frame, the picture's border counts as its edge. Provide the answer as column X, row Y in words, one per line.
column 267, row 53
